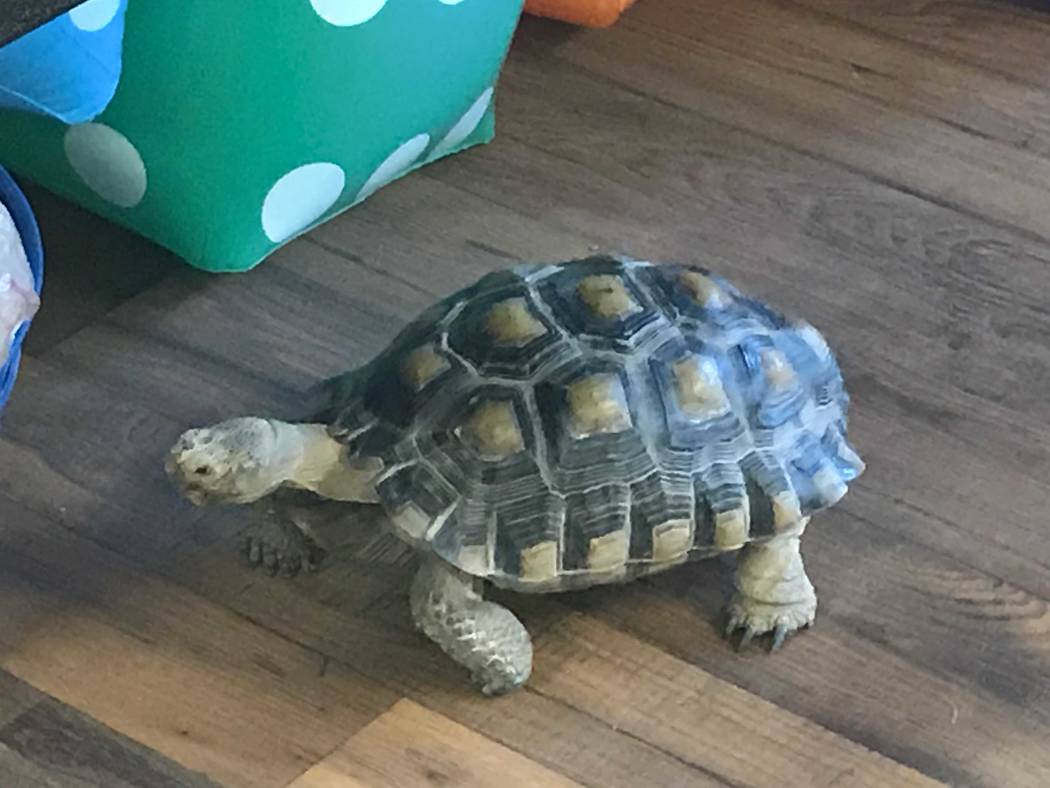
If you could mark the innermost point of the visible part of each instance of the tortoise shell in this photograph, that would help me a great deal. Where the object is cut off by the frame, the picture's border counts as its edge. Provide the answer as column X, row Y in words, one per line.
column 559, row 426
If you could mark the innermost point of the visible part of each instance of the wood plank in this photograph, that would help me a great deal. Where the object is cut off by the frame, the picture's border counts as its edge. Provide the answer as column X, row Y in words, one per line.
column 87, row 457
column 381, row 643
column 847, row 675
column 447, row 236
column 677, row 61
column 164, row 667
column 410, row 745
column 277, row 324
column 15, row 697
column 166, row 375
column 906, row 77
column 979, row 631
column 221, row 334
column 23, row 16
column 686, row 711
column 1001, row 37
column 84, row 279
column 17, row 771
column 936, row 748
column 971, row 630
column 65, row 747
column 920, row 485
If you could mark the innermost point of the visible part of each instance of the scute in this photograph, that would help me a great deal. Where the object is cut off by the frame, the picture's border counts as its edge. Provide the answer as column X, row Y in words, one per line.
column 502, row 332
column 557, row 426
column 600, row 305
column 493, row 430
column 690, row 427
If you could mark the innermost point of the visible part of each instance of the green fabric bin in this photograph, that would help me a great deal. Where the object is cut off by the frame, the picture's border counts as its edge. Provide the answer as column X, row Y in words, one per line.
column 238, row 125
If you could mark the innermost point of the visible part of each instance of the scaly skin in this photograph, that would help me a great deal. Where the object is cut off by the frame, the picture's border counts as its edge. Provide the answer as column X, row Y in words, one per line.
column 773, row 593
column 485, row 638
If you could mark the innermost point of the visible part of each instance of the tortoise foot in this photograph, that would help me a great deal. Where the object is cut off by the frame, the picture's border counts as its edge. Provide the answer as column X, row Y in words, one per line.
column 283, row 549
column 756, row 618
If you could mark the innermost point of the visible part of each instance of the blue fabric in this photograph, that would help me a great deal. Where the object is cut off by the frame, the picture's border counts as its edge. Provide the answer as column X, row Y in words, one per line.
column 66, row 68
column 17, row 205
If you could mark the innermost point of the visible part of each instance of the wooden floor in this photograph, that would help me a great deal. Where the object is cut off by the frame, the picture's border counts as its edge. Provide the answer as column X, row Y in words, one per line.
column 879, row 166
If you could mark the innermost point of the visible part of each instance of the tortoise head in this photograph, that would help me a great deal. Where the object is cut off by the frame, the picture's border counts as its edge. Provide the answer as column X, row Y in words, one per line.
column 233, row 462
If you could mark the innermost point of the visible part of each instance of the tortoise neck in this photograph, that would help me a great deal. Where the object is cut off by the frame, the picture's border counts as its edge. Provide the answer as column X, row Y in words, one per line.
column 304, row 453
column 317, row 462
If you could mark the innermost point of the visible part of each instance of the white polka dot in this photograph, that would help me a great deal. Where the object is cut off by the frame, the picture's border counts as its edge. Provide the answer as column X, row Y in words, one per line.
column 451, row 2
column 301, row 197
column 464, row 126
column 107, row 162
column 94, row 14
column 345, row 13
column 396, row 163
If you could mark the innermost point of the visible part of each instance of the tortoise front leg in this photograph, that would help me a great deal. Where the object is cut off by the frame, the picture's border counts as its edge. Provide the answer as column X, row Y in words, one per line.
column 278, row 540
column 485, row 638
column 773, row 593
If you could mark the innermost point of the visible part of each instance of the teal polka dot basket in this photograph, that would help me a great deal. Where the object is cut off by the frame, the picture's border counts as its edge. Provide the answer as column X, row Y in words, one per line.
column 237, row 126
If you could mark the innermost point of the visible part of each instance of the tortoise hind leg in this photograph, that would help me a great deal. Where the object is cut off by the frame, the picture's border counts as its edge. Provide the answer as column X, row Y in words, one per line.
column 485, row 638
column 773, row 593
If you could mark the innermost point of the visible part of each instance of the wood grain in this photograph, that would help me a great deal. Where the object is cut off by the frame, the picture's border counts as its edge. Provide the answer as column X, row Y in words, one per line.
column 828, row 675
column 189, row 679
column 1002, row 37
column 22, row 16
column 677, row 60
column 15, row 697
column 409, row 745
column 52, row 739
column 16, row 770
column 379, row 642
column 824, row 46
column 705, row 721
column 93, row 461
column 86, row 280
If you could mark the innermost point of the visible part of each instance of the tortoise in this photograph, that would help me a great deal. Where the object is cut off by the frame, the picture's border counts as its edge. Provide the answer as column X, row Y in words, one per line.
column 559, row 426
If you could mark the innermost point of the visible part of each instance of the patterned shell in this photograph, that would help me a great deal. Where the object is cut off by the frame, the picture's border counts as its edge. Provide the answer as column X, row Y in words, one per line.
column 559, row 426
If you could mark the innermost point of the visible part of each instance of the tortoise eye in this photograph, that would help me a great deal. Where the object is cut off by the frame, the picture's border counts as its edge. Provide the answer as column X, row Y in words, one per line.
column 203, row 470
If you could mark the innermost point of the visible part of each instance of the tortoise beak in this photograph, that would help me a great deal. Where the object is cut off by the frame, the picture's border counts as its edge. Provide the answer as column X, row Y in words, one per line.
column 192, row 492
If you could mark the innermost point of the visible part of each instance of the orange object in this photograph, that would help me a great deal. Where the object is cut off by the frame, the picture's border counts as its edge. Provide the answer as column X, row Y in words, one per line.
column 590, row 13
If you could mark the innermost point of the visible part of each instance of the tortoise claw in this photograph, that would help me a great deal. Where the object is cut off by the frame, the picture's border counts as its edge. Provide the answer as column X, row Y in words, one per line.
column 732, row 625
column 779, row 635
column 758, row 618
column 253, row 550
column 270, row 562
column 745, row 641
